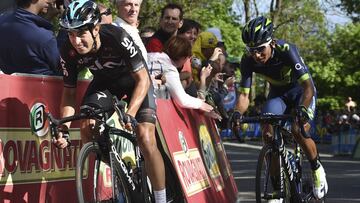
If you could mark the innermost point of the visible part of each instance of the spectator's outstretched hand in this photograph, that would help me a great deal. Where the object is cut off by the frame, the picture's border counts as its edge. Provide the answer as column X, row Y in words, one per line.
column 206, row 107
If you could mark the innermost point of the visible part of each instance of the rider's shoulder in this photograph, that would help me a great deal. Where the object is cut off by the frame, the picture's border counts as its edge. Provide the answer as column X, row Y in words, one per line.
column 112, row 30
column 284, row 46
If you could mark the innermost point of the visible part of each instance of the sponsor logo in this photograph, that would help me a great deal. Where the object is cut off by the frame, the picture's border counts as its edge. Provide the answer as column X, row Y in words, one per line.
column 298, row 66
column 100, row 95
column 38, row 123
column 129, row 46
column 183, row 143
column 27, row 160
column 209, row 155
column 191, row 171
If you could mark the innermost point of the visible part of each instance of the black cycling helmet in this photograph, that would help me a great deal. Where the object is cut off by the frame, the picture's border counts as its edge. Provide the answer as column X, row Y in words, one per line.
column 257, row 31
column 80, row 13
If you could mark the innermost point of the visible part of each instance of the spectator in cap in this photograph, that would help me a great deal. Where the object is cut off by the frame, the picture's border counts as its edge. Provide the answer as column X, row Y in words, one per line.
column 221, row 44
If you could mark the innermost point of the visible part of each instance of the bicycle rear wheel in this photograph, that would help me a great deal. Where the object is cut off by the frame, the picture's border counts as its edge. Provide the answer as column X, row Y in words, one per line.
column 267, row 185
column 94, row 178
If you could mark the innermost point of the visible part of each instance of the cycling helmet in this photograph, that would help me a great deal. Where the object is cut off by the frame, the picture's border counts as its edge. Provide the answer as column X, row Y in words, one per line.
column 257, row 31
column 80, row 13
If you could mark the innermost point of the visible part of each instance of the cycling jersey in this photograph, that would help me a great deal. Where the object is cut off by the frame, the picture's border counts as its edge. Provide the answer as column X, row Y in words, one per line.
column 111, row 65
column 284, row 70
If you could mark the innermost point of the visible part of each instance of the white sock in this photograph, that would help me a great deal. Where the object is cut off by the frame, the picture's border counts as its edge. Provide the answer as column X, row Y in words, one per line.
column 160, row 196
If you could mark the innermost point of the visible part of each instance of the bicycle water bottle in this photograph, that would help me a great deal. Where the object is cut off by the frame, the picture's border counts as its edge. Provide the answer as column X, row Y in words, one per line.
column 292, row 162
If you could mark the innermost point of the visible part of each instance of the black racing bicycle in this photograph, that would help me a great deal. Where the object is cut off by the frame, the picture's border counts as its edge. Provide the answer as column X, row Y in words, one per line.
column 281, row 173
column 102, row 175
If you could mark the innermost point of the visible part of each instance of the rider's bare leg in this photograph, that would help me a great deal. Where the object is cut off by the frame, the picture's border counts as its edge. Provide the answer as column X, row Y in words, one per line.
column 306, row 144
column 154, row 162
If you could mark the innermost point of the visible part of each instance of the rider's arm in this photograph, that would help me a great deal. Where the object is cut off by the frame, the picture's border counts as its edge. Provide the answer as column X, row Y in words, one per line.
column 68, row 101
column 308, row 88
column 67, row 108
column 245, row 85
column 142, row 84
column 242, row 103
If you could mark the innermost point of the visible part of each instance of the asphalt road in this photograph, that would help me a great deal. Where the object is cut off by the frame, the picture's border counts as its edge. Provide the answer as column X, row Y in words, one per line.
column 343, row 172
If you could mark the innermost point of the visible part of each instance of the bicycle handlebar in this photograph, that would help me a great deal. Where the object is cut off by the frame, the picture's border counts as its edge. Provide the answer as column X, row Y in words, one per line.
column 267, row 118
column 91, row 113
column 272, row 119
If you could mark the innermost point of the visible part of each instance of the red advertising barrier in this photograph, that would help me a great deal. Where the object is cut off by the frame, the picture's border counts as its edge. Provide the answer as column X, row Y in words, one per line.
column 197, row 154
column 33, row 170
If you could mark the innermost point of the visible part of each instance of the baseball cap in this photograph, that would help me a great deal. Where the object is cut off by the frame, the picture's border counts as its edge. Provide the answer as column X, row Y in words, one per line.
column 208, row 40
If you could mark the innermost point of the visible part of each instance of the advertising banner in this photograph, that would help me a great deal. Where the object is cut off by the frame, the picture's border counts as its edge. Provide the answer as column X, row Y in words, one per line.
column 197, row 154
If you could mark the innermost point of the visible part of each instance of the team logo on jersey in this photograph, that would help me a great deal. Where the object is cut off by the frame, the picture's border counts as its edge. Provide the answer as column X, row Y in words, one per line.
column 298, row 66
column 38, row 123
column 63, row 68
column 129, row 46
column 100, row 95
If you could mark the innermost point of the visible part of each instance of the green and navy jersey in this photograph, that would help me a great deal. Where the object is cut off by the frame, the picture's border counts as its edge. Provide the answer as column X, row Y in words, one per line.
column 284, row 70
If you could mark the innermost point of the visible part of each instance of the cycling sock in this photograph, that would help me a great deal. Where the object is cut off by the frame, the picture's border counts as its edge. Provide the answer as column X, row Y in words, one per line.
column 160, row 196
column 315, row 163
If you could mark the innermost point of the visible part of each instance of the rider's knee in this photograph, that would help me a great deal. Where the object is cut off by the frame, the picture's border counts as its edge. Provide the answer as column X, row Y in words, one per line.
column 88, row 129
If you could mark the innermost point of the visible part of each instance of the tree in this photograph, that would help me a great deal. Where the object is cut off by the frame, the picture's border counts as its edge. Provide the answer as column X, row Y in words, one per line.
column 352, row 7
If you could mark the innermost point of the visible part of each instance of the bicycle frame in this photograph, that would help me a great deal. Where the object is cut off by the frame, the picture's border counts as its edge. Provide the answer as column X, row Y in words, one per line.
column 106, row 143
column 114, row 155
column 278, row 145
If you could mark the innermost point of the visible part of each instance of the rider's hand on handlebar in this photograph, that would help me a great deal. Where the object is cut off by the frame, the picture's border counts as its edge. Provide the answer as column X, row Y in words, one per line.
column 304, row 114
column 62, row 139
column 130, row 122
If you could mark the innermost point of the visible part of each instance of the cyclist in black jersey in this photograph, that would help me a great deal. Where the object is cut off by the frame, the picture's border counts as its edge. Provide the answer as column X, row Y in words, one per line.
column 291, row 87
column 119, row 68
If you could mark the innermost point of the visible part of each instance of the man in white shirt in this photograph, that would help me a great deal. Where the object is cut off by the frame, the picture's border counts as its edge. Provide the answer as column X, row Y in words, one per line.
column 127, row 18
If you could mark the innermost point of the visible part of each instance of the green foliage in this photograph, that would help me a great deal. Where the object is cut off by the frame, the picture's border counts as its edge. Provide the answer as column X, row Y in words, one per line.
column 207, row 13
column 329, row 103
column 352, row 7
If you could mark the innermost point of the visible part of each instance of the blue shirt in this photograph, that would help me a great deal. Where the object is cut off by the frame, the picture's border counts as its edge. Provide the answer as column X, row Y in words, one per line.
column 27, row 44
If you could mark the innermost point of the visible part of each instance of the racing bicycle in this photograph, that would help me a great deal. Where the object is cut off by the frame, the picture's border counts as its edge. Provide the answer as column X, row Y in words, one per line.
column 102, row 174
column 281, row 173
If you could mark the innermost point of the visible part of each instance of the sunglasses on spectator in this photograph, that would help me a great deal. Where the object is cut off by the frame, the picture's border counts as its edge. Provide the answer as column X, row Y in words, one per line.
column 107, row 12
column 259, row 49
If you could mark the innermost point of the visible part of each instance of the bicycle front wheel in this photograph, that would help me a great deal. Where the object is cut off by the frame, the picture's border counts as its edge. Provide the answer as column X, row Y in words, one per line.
column 95, row 179
column 268, row 184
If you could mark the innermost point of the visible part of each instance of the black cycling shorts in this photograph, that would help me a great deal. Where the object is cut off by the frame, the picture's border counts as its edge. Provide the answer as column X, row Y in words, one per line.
column 98, row 92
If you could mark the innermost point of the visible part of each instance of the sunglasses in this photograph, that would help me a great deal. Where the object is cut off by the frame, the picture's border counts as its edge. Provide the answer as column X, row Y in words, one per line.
column 107, row 12
column 258, row 49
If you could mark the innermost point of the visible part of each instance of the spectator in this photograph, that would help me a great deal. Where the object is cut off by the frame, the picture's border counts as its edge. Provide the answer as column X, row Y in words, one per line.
column 6, row 5
column 221, row 44
column 190, row 30
column 105, row 13
column 204, row 51
column 28, row 44
column 127, row 18
column 350, row 104
column 146, row 33
column 163, row 65
column 170, row 21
